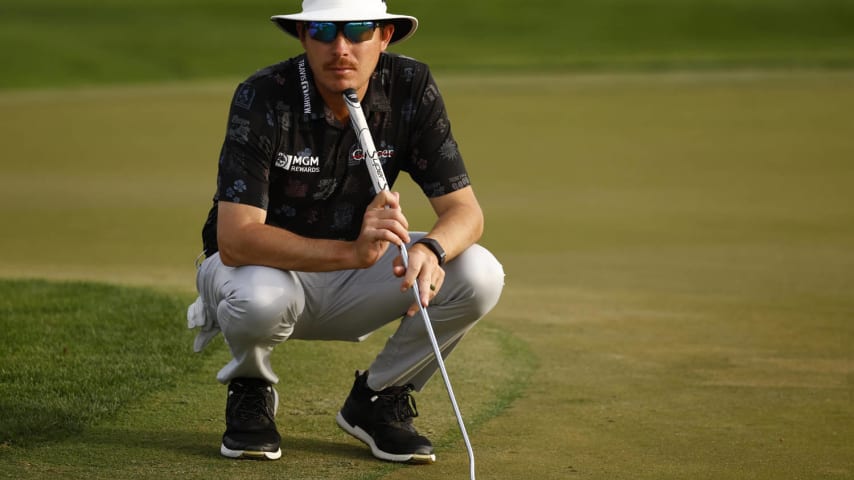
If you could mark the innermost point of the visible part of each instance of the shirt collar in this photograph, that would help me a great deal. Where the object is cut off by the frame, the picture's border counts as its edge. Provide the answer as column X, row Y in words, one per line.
column 375, row 99
column 313, row 107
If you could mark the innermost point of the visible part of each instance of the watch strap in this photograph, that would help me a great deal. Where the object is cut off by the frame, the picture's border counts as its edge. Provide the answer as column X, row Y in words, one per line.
column 434, row 246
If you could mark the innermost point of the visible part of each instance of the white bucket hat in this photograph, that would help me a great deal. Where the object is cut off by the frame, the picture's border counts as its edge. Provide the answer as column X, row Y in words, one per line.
column 347, row 11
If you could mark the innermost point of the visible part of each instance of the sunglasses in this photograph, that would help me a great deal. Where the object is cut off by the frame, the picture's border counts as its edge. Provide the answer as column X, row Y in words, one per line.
column 356, row 32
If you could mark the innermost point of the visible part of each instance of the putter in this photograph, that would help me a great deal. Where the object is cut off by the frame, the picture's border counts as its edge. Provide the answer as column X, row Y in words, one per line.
column 375, row 168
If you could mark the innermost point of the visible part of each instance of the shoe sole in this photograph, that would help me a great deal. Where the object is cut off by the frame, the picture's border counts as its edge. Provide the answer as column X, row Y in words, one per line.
column 250, row 454
column 363, row 436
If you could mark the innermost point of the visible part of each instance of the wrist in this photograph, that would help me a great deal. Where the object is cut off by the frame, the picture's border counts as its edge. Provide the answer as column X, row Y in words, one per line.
column 434, row 246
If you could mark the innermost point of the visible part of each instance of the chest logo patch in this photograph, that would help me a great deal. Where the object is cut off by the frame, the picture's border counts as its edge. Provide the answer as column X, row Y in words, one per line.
column 302, row 162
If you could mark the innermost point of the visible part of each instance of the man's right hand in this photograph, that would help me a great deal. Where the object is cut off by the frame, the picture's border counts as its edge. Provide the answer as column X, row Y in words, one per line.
column 383, row 224
column 245, row 239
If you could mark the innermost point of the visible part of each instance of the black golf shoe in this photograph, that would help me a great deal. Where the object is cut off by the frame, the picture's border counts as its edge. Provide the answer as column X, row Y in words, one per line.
column 250, row 427
column 383, row 420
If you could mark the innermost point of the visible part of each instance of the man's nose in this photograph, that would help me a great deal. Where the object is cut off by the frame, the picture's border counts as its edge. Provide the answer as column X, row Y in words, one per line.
column 340, row 44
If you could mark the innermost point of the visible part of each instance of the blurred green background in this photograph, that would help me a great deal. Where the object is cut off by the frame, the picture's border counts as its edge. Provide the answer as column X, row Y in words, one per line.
column 57, row 42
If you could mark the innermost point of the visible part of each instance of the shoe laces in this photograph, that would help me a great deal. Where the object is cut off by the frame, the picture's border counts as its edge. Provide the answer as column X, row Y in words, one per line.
column 397, row 404
column 249, row 403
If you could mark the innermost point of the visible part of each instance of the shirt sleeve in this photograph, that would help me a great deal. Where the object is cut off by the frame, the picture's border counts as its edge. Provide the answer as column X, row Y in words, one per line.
column 436, row 164
column 244, row 164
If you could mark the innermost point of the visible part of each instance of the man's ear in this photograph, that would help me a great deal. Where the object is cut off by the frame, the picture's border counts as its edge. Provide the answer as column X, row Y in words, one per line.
column 387, row 32
column 301, row 32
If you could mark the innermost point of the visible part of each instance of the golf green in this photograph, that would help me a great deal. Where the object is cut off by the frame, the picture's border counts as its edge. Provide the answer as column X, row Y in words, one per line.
column 678, row 247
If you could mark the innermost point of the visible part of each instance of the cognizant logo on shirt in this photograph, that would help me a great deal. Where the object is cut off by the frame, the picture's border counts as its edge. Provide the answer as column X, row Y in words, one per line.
column 300, row 163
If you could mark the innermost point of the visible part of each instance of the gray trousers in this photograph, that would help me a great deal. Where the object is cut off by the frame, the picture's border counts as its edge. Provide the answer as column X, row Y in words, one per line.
column 257, row 308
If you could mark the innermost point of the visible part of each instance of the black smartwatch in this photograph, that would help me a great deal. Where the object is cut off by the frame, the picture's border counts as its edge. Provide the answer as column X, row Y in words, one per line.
column 434, row 247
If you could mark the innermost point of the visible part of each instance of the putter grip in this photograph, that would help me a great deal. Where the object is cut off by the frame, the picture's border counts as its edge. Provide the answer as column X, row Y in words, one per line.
column 360, row 126
column 372, row 160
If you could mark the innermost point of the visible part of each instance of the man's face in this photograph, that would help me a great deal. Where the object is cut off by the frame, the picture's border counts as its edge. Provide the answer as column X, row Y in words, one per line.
column 342, row 63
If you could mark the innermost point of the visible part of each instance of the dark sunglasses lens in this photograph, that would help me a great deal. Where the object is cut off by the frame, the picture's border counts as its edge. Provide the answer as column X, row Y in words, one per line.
column 322, row 31
column 358, row 32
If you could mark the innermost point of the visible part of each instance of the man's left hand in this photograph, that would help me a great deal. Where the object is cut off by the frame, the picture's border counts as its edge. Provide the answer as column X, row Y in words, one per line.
column 423, row 268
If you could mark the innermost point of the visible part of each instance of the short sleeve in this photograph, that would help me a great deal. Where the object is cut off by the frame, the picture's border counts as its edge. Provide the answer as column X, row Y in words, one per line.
column 436, row 164
column 244, row 164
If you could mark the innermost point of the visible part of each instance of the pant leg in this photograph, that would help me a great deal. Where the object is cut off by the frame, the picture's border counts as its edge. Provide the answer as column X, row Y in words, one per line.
column 351, row 306
column 259, row 307
column 255, row 308
column 473, row 284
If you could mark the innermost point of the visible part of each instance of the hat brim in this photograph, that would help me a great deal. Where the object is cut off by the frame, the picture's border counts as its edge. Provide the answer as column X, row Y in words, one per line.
column 404, row 25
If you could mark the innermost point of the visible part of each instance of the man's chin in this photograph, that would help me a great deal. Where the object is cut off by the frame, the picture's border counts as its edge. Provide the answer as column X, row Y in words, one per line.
column 340, row 86
column 339, row 83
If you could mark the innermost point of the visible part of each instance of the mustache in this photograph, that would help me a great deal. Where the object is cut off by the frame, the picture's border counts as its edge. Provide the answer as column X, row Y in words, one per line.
column 340, row 64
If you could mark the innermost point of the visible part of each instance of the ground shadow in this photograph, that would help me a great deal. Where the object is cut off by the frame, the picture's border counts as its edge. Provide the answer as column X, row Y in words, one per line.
column 206, row 445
